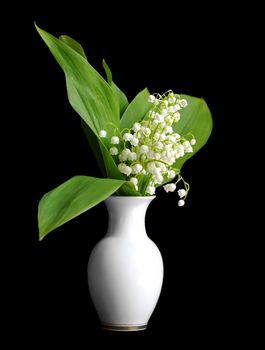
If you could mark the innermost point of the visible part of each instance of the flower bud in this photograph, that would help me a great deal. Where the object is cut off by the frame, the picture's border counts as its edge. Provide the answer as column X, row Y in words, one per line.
column 137, row 168
column 115, row 140
column 135, row 182
column 127, row 137
column 171, row 174
column 169, row 187
column 136, row 127
column 151, row 190
column 181, row 202
column 151, row 98
column 144, row 149
column 102, row 133
column 114, row 151
column 182, row 193
column 134, row 141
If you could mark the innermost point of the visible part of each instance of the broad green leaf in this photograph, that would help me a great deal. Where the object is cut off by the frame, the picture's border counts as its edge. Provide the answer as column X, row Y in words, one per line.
column 94, row 144
column 136, row 110
column 71, row 199
column 195, row 118
column 123, row 102
column 104, row 159
column 89, row 94
column 110, row 165
column 121, row 97
column 73, row 44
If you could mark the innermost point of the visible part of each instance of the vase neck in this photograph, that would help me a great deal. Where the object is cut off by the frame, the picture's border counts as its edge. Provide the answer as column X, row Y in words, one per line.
column 127, row 215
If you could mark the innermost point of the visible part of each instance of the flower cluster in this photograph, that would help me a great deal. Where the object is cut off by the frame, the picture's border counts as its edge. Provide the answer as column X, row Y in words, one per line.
column 147, row 152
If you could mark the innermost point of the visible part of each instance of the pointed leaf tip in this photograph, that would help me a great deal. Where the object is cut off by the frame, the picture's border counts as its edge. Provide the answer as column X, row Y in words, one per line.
column 73, row 44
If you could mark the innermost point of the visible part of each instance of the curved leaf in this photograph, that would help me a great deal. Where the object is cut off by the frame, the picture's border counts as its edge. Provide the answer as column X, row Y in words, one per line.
column 117, row 91
column 94, row 144
column 121, row 97
column 104, row 159
column 136, row 110
column 195, row 118
column 107, row 71
column 110, row 165
column 128, row 189
column 89, row 94
column 71, row 199
column 73, row 44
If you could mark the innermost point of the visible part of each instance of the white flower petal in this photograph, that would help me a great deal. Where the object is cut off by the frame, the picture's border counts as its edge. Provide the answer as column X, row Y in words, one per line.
column 169, row 187
column 115, row 140
column 102, row 133
column 114, row 151
column 182, row 193
column 181, row 202
column 151, row 98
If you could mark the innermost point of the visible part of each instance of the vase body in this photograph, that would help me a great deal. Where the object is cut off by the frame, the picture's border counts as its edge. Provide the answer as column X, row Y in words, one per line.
column 125, row 269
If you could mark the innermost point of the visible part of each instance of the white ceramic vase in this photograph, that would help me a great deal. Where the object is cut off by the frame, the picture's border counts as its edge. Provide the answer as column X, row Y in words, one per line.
column 125, row 269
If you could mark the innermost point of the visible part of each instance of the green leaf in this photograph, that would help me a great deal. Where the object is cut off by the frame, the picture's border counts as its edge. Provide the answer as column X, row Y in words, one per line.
column 110, row 165
column 195, row 118
column 128, row 189
column 123, row 102
column 71, row 199
column 89, row 94
column 136, row 110
column 73, row 44
column 107, row 71
column 104, row 159
column 94, row 144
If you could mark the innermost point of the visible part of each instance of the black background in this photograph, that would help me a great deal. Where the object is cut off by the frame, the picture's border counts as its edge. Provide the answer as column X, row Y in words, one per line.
column 190, row 49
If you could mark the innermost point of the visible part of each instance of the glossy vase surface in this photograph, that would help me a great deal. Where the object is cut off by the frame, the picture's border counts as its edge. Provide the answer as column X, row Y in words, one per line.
column 125, row 269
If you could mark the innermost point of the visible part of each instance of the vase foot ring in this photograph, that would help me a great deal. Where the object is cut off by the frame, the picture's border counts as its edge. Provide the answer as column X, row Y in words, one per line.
column 124, row 328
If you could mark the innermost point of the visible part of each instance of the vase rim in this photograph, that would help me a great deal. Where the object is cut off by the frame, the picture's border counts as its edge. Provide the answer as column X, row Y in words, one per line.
column 138, row 197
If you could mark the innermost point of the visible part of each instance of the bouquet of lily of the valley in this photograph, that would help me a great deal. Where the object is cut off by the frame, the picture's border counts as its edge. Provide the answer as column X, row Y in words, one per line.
column 139, row 146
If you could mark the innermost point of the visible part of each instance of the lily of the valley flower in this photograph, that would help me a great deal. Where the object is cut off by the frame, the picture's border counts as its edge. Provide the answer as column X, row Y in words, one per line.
column 115, row 140
column 181, row 202
column 102, row 133
column 123, row 168
column 151, row 98
column 169, row 187
column 127, row 137
column 150, row 190
column 182, row 193
column 136, row 127
column 152, row 146
column 114, row 151
column 134, row 180
column 171, row 174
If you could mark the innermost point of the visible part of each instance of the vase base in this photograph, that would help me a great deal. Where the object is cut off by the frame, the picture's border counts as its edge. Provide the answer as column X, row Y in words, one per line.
column 123, row 327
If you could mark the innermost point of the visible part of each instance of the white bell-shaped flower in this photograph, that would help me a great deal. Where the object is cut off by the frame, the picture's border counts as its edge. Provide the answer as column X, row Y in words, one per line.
column 103, row 133
column 115, row 140
column 124, row 169
column 169, row 187
column 181, row 202
column 182, row 193
column 114, row 151
column 150, row 190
